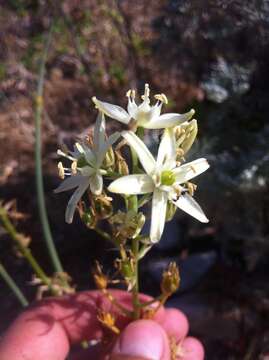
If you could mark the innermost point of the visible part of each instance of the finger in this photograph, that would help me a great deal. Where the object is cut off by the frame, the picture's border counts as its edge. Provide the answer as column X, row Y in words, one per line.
column 175, row 324
column 142, row 339
column 191, row 349
column 49, row 327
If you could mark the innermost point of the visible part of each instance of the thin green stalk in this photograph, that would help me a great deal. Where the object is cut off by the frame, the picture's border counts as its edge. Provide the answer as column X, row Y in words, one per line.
column 38, row 161
column 16, row 237
column 13, row 286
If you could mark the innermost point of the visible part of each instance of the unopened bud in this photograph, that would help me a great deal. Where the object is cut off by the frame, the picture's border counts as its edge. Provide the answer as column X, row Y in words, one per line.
column 88, row 216
column 103, row 206
column 191, row 133
column 121, row 164
column 109, row 159
column 170, row 279
column 170, row 211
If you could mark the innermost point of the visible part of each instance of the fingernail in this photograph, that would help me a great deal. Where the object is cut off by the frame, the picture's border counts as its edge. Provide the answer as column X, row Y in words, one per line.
column 142, row 338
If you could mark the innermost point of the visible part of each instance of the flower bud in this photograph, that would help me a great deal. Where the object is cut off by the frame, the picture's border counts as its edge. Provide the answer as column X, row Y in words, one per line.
column 121, row 164
column 88, row 216
column 103, row 206
column 170, row 211
column 191, row 133
column 109, row 160
column 170, row 280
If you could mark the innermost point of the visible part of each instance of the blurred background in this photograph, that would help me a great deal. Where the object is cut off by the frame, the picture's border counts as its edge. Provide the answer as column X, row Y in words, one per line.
column 211, row 55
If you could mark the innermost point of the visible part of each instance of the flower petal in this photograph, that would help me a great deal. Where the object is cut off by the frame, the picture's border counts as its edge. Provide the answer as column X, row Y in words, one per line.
column 189, row 170
column 145, row 157
column 191, row 207
column 167, row 149
column 169, row 120
column 72, row 203
column 96, row 184
column 70, row 183
column 99, row 131
column 132, row 108
column 158, row 215
column 114, row 111
column 132, row 185
column 103, row 149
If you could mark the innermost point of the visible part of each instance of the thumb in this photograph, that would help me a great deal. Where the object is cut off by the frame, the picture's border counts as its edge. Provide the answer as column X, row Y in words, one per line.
column 142, row 340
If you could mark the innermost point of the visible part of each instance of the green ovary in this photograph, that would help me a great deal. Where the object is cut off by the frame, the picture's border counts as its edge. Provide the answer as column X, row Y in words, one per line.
column 167, row 177
column 82, row 162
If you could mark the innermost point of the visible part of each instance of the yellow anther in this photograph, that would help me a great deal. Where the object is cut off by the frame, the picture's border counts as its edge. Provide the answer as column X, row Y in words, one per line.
column 162, row 98
column 74, row 167
column 61, row 170
column 131, row 94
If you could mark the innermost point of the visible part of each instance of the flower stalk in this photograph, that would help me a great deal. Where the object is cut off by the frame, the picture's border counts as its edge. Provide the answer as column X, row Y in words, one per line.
column 38, row 160
column 13, row 286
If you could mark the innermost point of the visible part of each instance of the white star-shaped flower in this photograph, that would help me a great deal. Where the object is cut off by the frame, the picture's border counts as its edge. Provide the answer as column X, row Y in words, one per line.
column 163, row 178
column 85, row 170
column 144, row 114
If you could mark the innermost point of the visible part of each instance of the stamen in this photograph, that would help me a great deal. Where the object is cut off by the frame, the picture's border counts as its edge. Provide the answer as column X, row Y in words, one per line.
column 162, row 98
column 131, row 94
column 74, row 167
column 61, row 170
column 61, row 153
column 146, row 92
column 79, row 148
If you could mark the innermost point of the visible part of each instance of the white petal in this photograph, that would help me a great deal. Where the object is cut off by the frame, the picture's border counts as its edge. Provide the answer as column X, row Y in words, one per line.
column 70, row 183
column 145, row 157
column 87, row 171
column 103, row 149
column 167, row 149
column 132, row 185
column 191, row 207
column 99, row 131
column 114, row 111
column 189, row 170
column 89, row 154
column 169, row 120
column 72, row 203
column 158, row 215
column 132, row 108
column 96, row 184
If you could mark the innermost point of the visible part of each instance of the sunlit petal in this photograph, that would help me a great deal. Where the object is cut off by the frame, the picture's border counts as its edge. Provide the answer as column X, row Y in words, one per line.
column 72, row 203
column 145, row 157
column 99, row 131
column 191, row 207
column 168, row 120
column 114, row 111
column 105, row 146
column 189, row 170
column 70, row 183
column 132, row 184
column 158, row 215
column 132, row 108
column 96, row 184
column 167, row 149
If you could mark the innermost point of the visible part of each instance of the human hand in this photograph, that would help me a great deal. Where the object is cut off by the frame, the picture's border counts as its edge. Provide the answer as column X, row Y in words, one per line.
column 51, row 329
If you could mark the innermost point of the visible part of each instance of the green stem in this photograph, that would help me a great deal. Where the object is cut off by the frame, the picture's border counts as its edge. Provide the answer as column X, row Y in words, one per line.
column 38, row 162
column 16, row 237
column 13, row 286
column 103, row 233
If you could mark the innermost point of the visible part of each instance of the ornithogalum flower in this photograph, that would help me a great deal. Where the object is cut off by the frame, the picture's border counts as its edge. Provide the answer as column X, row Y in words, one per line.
column 163, row 178
column 86, row 167
column 144, row 114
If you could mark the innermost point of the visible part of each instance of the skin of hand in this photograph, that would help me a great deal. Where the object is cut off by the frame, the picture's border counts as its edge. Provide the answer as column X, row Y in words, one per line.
column 54, row 329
